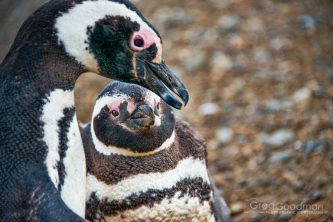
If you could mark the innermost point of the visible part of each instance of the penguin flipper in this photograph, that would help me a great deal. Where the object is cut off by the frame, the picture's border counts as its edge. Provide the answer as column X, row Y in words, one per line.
column 34, row 197
column 220, row 208
column 51, row 207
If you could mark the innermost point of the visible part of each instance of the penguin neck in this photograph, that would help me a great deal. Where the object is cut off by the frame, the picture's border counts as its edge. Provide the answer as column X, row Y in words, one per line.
column 37, row 57
column 44, row 69
column 109, row 150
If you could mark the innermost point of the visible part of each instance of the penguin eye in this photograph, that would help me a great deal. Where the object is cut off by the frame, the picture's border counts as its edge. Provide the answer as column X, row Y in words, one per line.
column 139, row 42
column 115, row 113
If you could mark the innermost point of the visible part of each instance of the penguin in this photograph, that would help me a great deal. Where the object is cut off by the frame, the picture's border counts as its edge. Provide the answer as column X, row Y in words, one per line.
column 143, row 164
column 42, row 162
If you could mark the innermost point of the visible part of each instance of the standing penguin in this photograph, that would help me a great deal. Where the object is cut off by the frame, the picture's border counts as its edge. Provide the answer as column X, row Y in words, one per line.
column 42, row 163
column 143, row 165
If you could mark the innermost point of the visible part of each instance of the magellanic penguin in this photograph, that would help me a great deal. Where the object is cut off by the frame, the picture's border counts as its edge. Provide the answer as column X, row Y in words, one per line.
column 143, row 164
column 42, row 163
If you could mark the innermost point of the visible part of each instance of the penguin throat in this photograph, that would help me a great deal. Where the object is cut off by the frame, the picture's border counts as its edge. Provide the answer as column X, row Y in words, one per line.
column 113, row 150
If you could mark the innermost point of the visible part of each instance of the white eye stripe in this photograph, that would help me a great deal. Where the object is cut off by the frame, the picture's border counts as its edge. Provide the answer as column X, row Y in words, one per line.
column 152, row 97
column 72, row 27
column 107, row 100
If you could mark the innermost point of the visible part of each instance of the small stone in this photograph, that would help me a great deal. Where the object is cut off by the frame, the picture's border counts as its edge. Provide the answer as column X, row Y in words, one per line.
column 253, row 24
column 229, row 107
column 319, row 92
column 222, row 166
column 285, row 67
column 229, row 21
column 209, row 109
column 173, row 17
column 207, row 38
column 236, row 42
column 283, row 216
column 256, row 216
column 329, row 90
column 224, row 134
column 313, row 146
column 262, row 56
column 194, row 61
column 278, row 105
column 278, row 138
column 221, row 62
column 302, row 97
column 281, row 156
column 231, row 151
column 249, row 184
column 291, row 178
column 298, row 145
column 234, row 88
column 279, row 43
column 265, row 181
column 308, row 23
column 330, row 120
column 236, row 208
column 316, row 195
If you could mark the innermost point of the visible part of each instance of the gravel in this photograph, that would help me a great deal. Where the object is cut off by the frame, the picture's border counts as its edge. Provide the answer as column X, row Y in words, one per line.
column 278, row 138
column 224, row 135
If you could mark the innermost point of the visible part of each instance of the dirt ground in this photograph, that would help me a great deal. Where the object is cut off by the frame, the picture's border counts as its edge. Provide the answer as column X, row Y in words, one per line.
column 260, row 76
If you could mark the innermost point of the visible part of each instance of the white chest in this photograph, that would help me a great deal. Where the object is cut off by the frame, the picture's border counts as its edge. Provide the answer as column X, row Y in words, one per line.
column 174, row 208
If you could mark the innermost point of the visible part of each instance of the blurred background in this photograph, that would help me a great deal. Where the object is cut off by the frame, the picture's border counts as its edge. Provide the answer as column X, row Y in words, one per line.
column 260, row 76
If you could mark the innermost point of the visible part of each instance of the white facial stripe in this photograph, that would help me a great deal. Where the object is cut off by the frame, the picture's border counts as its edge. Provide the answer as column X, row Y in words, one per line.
column 75, row 165
column 74, row 160
column 72, row 27
column 56, row 102
column 152, row 98
column 188, row 168
column 113, row 150
column 157, row 121
column 177, row 208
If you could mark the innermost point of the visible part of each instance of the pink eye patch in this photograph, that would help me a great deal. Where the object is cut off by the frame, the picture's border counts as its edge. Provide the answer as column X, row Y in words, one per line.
column 115, row 108
column 142, row 40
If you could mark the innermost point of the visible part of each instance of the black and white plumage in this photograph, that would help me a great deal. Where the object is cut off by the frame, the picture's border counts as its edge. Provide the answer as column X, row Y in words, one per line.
column 143, row 164
column 42, row 163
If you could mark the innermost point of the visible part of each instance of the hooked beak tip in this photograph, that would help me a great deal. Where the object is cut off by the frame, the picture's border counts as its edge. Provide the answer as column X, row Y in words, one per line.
column 184, row 95
column 161, row 80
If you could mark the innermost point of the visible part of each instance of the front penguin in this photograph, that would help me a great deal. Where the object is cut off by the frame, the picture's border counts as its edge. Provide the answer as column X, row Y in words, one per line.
column 143, row 164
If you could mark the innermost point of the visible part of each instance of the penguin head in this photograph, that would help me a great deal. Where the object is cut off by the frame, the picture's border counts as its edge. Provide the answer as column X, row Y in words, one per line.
column 130, row 117
column 112, row 38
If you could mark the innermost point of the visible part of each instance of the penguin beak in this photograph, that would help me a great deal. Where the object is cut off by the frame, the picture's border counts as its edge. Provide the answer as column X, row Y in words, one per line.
column 161, row 80
column 143, row 116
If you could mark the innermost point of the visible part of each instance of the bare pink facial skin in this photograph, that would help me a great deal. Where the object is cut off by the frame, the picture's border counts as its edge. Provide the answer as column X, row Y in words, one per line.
column 149, row 38
column 115, row 107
